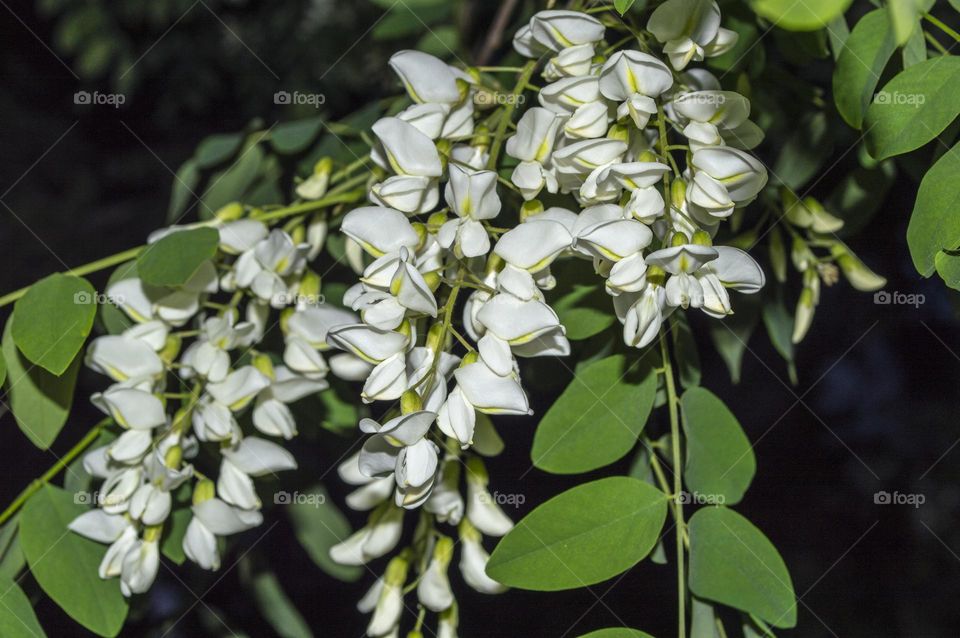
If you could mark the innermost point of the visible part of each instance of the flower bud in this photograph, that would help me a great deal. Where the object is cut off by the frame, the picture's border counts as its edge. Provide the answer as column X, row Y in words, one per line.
column 285, row 315
column 656, row 275
column 151, row 533
column 173, row 457
column 481, row 136
column 470, row 357
column 679, row 239
column 856, row 272
column 619, row 132
column 702, row 238
column 806, row 306
column 433, row 337
column 530, row 209
column 436, row 220
column 231, row 212
column 678, row 193
column 203, row 491
column 410, row 402
column 263, row 363
column 433, row 280
column 171, row 348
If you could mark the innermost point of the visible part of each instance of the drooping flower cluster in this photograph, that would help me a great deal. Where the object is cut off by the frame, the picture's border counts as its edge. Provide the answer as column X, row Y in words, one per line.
column 445, row 303
column 148, row 469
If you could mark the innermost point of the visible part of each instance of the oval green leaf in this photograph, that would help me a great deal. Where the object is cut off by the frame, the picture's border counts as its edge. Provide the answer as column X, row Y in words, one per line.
column 720, row 460
column 294, row 137
column 913, row 108
column 172, row 260
column 800, row 15
column 864, row 56
column 277, row 608
column 934, row 224
column 733, row 563
column 319, row 525
column 217, row 149
column 52, row 320
column 597, row 419
column 40, row 401
column 584, row 311
column 65, row 564
column 230, row 184
column 17, row 619
column 582, row 536
column 617, row 632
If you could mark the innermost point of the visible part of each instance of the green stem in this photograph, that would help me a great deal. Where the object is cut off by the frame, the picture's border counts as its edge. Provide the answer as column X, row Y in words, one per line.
column 943, row 27
column 85, row 269
column 63, row 462
column 672, row 401
column 935, row 43
column 507, row 114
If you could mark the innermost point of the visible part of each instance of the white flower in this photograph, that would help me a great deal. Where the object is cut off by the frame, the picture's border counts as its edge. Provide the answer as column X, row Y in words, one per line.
column 627, row 73
column 378, row 537
column 533, row 245
column 406, row 150
column 379, row 230
column 100, row 526
column 399, row 447
column 426, row 78
column 558, row 29
column 473, row 561
column 484, row 513
column 212, row 518
column 690, row 31
column 122, row 358
column 389, row 599
column 140, row 566
column 131, row 406
column 433, row 590
column 150, row 504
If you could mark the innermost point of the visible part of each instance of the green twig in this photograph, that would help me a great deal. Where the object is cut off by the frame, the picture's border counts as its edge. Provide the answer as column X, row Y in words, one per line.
column 63, row 462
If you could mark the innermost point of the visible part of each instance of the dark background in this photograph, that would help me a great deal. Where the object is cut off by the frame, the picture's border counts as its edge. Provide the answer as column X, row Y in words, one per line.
column 875, row 407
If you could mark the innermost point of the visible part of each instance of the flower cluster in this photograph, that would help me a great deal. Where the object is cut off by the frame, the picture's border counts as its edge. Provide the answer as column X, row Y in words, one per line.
column 149, row 469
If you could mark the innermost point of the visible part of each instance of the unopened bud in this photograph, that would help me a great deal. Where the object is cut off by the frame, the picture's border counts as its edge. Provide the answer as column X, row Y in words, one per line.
column 702, row 238
column 410, row 402
column 310, row 285
column 470, row 357
column 151, row 533
column 396, row 574
column 171, row 348
column 679, row 239
column 778, row 255
column 530, row 209
column 263, row 363
column 173, row 457
column 436, row 220
column 619, row 132
column 678, row 193
column 231, row 212
column 203, row 491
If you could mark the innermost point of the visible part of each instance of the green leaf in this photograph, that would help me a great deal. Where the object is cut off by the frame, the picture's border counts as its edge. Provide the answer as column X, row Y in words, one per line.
column 185, row 184
column 277, row 609
column 838, row 32
column 173, row 260
column 859, row 195
column 230, row 184
column 904, row 15
column 65, row 564
column 440, row 41
column 948, row 267
column 720, row 461
column 584, row 311
column 319, row 525
column 217, row 149
column 294, row 137
column 339, row 415
column 40, row 401
column 934, row 224
column 805, row 151
column 913, row 108
column 175, row 530
column 733, row 563
column 732, row 334
column 52, row 320
column 622, row 6
column 581, row 537
column 617, row 632
column 685, row 350
column 401, row 22
column 915, row 50
column 76, row 478
column 860, row 65
column 17, row 619
column 3, row 370
column 597, row 419
column 792, row 15
column 11, row 556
